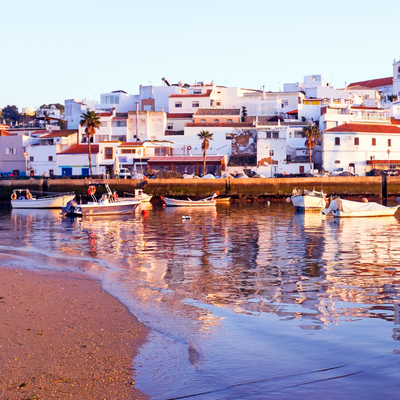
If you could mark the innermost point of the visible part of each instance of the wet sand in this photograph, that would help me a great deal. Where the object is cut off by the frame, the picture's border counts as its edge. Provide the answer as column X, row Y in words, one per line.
column 63, row 337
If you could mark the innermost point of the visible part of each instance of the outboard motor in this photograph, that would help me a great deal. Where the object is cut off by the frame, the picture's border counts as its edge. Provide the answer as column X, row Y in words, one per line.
column 70, row 207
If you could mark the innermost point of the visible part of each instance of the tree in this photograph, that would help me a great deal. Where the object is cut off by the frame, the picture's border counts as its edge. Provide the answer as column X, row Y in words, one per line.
column 244, row 113
column 92, row 122
column 205, row 136
column 312, row 135
column 11, row 114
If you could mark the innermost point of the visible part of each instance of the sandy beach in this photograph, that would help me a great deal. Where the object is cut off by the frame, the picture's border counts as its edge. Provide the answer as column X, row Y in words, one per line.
column 63, row 337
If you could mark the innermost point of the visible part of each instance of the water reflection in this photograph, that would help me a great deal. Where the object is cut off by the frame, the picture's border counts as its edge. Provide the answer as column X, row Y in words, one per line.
column 201, row 281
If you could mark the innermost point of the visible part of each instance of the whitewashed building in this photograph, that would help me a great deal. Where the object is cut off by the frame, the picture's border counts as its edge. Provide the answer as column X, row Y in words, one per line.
column 361, row 147
column 42, row 155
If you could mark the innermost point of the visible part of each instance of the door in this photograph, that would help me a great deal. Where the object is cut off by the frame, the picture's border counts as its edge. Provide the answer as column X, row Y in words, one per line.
column 66, row 171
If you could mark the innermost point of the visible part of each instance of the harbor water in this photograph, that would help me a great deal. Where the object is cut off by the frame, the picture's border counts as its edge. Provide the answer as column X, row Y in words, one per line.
column 243, row 301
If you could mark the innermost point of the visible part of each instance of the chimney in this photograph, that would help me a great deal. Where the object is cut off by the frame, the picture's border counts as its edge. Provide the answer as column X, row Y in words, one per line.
column 263, row 95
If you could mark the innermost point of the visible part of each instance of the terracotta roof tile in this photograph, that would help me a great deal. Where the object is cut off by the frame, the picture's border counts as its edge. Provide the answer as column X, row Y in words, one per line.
column 365, row 128
column 217, row 111
column 59, row 133
column 81, row 149
column 373, row 83
column 180, row 116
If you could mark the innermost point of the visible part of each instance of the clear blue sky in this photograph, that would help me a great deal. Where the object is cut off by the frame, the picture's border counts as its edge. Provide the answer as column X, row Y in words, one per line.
column 52, row 51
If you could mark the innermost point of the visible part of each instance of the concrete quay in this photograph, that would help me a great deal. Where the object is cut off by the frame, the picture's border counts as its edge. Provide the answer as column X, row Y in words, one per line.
column 238, row 189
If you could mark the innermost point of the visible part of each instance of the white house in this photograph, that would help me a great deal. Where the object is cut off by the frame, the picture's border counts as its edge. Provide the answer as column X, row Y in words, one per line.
column 42, row 155
column 74, row 110
column 360, row 147
column 75, row 160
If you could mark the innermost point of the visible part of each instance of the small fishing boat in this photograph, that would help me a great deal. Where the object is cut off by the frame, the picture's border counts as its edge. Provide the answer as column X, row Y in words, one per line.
column 23, row 198
column 308, row 200
column 223, row 200
column 347, row 208
column 108, row 204
column 138, row 195
column 208, row 201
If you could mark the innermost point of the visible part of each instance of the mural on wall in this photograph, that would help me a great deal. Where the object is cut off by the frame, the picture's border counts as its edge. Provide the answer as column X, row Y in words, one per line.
column 244, row 148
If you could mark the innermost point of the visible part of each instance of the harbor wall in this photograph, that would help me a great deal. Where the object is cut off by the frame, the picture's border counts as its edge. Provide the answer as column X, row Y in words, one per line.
column 242, row 189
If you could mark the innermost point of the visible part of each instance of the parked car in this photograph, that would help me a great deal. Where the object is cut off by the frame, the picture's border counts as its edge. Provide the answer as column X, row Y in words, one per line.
column 337, row 171
column 124, row 173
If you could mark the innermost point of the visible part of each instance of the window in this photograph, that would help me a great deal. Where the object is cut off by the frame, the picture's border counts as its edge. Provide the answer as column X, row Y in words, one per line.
column 148, row 107
column 211, row 103
column 104, row 124
column 196, row 91
column 85, row 172
column 216, row 121
column 160, row 151
column 170, row 126
column 373, row 142
column 108, row 153
column 203, row 121
column 285, row 103
column 219, row 102
column 269, row 135
column 50, row 158
column 337, row 161
column 118, row 124
column 31, row 158
column 271, row 153
column 178, row 104
column 389, row 142
column 337, row 141
column 275, row 135
column 356, row 141
column 372, row 157
column 229, row 121
column 229, row 136
column 195, row 104
column 51, row 172
column 111, row 99
column 128, row 151
column 11, row 150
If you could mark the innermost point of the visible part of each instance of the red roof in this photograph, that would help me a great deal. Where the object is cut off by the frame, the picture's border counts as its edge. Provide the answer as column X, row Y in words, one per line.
column 105, row 114
column 186, row 158
column 220, row 125
column 59, row 133
column 81, row 149
column 395, row 121
column 293, row 112
column 365, row 128
column 207, row 94
column 373, row 83
column 179, row 116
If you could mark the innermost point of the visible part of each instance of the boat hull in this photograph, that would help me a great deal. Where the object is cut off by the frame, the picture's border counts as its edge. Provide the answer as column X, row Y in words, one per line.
column 188, row 203
column 51, row 202
column 308, row 203
column 117, row 208
column 356, row 214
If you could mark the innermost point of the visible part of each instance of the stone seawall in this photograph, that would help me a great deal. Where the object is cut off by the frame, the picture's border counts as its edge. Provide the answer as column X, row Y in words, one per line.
column 242, row 189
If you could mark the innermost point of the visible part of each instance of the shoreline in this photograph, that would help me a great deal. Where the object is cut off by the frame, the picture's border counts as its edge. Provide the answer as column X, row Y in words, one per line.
column 63, row 336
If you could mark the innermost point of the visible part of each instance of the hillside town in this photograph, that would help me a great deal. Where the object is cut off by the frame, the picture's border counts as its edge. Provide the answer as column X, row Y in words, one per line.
column 253, row 130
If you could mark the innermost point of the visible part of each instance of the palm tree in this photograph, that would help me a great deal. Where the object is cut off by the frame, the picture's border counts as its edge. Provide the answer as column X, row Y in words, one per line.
column 312, row 135
column 205, row 136
column 92, row 122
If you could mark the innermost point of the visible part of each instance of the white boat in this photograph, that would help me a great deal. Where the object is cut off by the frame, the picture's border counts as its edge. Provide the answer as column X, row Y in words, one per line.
column 108, row 204
column 308, row 200
column 138, row 195
column 23, row 198
column 208, row 201
column 347, row 208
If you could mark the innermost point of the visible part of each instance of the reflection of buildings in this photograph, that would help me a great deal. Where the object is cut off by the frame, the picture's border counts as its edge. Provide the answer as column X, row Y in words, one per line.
column 247, row 257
